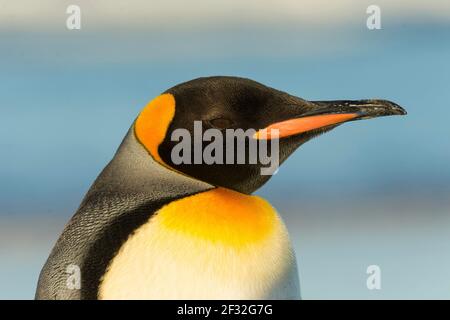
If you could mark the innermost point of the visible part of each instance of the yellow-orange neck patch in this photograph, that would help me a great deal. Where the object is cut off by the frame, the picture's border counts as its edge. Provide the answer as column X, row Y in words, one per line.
column 221, row 215
column 152, row 123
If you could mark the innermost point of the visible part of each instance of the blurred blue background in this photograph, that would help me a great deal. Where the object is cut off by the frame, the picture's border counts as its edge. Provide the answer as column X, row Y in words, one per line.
column 371, row 192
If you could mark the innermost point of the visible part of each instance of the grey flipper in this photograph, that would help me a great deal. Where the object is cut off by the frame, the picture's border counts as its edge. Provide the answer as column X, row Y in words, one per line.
column 124, row 196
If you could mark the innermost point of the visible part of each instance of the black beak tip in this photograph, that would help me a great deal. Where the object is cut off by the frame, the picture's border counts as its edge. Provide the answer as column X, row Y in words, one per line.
column 380, row 108
column 395, row 108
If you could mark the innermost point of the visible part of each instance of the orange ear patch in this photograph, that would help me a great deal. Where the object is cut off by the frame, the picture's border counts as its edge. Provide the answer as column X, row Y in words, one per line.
column 152, row 123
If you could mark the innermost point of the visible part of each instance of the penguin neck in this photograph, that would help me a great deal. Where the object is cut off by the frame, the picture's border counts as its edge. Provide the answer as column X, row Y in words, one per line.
column 134, row 175
column 222, row 216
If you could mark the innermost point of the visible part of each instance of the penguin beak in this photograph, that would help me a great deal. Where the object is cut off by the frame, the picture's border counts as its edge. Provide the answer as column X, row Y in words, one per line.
column 330, row 113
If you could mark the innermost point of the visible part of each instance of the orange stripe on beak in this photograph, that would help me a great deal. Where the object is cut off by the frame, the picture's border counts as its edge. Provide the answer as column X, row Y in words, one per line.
column 295, row 126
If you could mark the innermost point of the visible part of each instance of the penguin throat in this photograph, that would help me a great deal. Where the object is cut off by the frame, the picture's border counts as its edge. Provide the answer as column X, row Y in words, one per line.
column 220, row 215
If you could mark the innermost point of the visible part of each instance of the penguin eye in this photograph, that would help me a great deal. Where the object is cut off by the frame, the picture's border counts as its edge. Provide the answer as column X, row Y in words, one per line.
column 221, row 123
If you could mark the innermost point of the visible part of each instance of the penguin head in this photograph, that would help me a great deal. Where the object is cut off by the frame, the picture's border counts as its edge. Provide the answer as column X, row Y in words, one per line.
column 208, row 128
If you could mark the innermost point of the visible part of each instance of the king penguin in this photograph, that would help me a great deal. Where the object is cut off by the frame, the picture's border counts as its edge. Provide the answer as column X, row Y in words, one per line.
column 153, row 228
